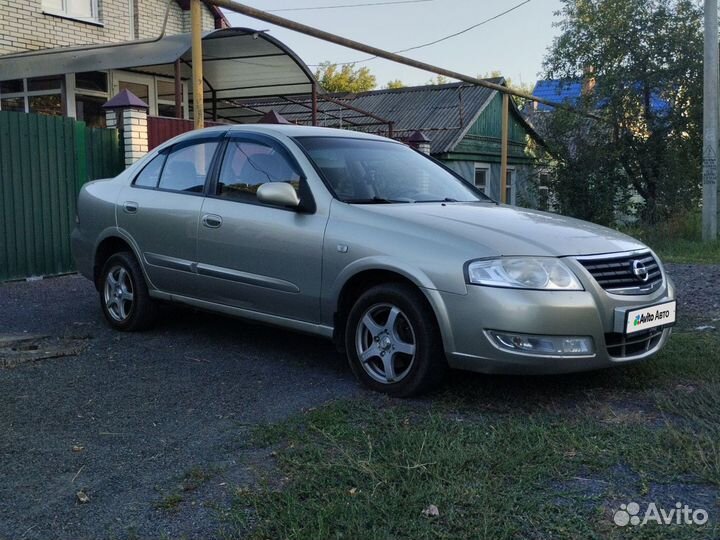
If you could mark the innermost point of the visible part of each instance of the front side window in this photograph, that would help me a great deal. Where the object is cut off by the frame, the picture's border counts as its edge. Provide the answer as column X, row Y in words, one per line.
column 187, row 167
column 376, row 171
column 248, row 165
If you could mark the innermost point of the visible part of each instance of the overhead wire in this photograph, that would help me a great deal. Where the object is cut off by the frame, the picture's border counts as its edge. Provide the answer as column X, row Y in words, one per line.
column 436, row 41
column 364, row 4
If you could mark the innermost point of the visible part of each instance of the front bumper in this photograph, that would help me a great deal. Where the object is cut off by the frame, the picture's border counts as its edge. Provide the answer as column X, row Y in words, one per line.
column 464, row 320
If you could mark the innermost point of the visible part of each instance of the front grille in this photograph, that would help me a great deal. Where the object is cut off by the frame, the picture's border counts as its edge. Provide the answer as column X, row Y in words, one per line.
column 622, row 346
column 616, row 273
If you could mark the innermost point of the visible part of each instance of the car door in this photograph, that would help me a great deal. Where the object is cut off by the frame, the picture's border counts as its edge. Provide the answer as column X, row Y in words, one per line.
column 160, row 211
column 256, row 256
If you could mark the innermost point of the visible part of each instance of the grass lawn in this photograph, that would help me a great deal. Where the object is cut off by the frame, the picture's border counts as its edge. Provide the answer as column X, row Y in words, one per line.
column 678, row 241
column 501, row 457
column 686, row 251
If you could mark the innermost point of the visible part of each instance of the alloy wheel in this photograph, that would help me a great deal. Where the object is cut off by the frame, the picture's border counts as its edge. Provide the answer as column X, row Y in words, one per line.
column 118, row 293
column 385, row 343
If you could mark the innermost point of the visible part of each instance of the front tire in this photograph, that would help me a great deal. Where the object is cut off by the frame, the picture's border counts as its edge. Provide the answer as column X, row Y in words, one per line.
column 124, row 296
column 393, row 343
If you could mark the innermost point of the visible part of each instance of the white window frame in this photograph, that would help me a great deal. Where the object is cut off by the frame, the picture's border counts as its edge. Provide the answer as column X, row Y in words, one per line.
column 544, row 187
column 488, row 175
column 184, row 95
column 76, row 91
column 137, row 78
column 151, row 82
column 510, row 185
column 26, row 95
column 65, row 13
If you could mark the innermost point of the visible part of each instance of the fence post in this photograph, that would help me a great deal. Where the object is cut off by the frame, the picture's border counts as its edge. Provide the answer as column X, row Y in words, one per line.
column 81, row 158
column 128, row 114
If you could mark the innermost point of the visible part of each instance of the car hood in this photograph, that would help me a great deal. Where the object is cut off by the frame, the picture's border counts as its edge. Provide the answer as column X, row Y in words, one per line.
column 508, row 230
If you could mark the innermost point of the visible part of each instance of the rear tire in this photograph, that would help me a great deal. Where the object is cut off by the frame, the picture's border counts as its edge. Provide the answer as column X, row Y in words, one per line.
column 124, row 296
column 393, row 343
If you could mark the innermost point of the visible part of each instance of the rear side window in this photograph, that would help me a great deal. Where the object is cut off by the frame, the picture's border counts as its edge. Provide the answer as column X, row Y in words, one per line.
column 150, row 174
column 248, row 165
column 187, row 167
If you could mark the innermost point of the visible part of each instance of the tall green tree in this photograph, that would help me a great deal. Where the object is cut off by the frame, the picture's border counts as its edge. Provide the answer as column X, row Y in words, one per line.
column 346, row 78
column 640, row 62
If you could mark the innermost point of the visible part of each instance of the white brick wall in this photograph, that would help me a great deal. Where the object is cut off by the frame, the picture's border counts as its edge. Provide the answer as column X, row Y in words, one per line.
column 134, row 131
column 24, row 26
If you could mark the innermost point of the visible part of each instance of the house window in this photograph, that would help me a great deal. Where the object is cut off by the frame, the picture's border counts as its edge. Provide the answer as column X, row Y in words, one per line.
column 84, row 10
column 509, row 185
column 482, row 177
column 12, row 104
column 140, row 90
column 41, row 95
column 544, row 197
column 91, row 92
column 166, row 98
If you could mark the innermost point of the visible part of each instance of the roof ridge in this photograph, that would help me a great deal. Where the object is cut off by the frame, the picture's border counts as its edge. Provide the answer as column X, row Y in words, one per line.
column 416, row 88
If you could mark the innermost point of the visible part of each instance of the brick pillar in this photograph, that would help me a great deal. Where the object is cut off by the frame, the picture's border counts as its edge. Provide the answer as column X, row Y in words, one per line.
column 128, row 114
column 135, row 134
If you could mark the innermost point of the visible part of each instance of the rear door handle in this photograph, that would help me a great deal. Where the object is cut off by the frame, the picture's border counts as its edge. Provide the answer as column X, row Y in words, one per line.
column 212, row 220
column 130, row 207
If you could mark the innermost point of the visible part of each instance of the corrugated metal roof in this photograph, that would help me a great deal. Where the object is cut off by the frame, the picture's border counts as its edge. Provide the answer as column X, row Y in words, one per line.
column 558, row 91
column 570, row 91
column 237, row 62
column 442, row 112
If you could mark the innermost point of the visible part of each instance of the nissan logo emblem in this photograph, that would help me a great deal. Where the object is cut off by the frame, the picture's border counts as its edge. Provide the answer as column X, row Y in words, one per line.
column 638, row 268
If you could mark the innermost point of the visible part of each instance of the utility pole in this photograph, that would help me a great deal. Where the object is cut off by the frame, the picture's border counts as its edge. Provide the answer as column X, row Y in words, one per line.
column 504, row 149
column 711, row 118
column 197, row 64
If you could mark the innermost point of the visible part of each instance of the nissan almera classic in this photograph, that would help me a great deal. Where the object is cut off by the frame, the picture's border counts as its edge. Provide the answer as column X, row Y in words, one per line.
column 408, row 268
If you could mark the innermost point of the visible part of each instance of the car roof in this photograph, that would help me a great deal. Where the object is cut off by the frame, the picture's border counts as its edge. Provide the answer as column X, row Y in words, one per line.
column 290, row 130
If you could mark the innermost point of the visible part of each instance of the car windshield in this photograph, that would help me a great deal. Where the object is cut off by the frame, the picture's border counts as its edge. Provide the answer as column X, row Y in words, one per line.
column 364, row 171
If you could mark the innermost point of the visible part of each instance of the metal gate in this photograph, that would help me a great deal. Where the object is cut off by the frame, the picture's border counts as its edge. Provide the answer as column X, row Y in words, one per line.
column 44, row 160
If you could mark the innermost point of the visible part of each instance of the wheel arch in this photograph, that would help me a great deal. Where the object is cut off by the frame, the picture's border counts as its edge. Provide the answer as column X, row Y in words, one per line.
column 111, row 242
column 357, row 283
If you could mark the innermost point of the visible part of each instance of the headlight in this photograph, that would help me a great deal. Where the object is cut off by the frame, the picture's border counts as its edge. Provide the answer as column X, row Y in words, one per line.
column 524, row 273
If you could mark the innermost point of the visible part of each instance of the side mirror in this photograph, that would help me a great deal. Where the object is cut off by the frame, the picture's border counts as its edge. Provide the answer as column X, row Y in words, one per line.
column 278, row 193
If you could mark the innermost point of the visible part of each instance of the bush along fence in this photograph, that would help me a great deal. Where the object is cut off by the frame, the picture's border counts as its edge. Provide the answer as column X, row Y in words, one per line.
column 44, row 160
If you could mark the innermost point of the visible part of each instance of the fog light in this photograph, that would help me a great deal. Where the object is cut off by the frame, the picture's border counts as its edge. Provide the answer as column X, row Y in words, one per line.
column 544, row 345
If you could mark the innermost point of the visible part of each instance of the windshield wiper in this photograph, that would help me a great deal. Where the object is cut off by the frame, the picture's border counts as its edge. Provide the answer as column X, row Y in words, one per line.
column 446, row 199
column 374, row 200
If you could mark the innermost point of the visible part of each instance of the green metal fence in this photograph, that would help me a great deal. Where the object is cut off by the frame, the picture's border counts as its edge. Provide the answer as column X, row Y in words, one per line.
column 44, row 160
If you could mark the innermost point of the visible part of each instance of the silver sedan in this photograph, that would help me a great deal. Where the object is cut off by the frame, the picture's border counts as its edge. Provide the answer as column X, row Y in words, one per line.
column 408, row 268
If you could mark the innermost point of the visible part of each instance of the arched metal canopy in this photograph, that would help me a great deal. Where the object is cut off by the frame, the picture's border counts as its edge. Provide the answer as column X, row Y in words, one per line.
column 238, row 63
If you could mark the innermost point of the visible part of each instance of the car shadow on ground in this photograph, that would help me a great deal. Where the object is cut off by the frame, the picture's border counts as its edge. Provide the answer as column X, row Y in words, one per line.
column 466, row 389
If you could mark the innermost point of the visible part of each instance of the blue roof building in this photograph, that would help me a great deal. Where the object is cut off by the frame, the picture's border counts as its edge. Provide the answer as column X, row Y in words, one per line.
column 570, row 91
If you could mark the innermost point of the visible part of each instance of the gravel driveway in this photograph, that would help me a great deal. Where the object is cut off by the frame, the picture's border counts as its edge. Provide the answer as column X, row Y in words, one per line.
column 139, row 421
column 133, row 416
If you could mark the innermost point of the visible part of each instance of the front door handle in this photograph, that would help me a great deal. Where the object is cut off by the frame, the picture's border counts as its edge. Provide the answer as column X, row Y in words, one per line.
column 130, row 207
column 212, row 220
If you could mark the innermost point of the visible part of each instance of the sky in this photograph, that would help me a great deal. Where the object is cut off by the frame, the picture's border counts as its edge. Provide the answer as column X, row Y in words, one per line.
column 513, row 44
